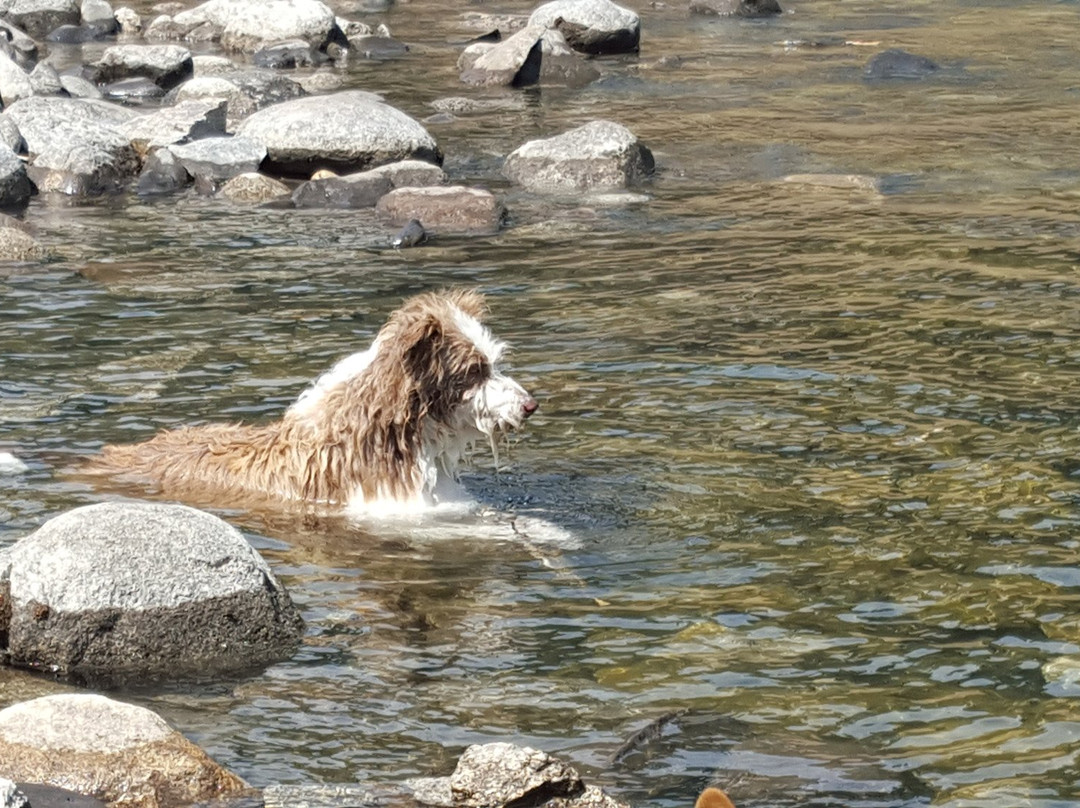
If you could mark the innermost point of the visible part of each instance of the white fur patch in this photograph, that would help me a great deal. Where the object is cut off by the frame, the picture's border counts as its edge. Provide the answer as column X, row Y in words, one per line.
column 478, row 334
column 348, row 368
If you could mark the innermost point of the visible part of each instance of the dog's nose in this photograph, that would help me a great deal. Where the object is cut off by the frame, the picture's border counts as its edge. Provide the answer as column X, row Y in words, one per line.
column 529, row 406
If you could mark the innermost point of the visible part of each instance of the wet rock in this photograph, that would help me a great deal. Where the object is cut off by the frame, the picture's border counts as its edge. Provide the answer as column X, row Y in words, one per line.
column 38, row 17
column 187, row 120
column 254, row 189
column 899, row 64
column 44, row 80
column 15, row 187
column 76, row 146
column 345, row 132
column 138, row 90
column 591, row 26
column 328, row 796
column 248, row 25
column 410, row 235
column 407, row 173
column 115, row 752
column 377, row 47
column 503, row 774
column 77, row 34
column 285, row 55
column 20, row 47
column 600, row 154
column 165, row 65
column 136, row 589
column 11, row 796
column 17, row 245
column 448, row 209
column 852, row 182
column 78, row 87
column 14, row 81
column 42, row 796
column 361, row 190
column 220, row 158
column 162, row 174
column 9, row 463
column 735, row 8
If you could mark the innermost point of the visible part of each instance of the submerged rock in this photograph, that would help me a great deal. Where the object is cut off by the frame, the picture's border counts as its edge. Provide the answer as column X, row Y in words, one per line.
column 345, row 132
column 600, row 154
column 899, row 64
column 116, row 752
column 449, row 209
column 735, row 8
column 125, row 589
column 591, row 26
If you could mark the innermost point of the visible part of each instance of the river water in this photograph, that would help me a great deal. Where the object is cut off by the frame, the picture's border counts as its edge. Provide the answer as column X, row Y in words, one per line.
column 816, row 447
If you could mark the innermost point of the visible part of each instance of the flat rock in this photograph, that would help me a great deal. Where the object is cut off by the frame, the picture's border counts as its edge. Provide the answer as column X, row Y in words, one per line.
column 116, row 752
column 165, row 65
column 38, row 17
column 600, row 154
column 345, row 132
column 591, row 26
column 735, row 8
column 186, row 121
column 220, row 158
column 76, row 146
column 253, row 188
column 245, row 91
column 496, row 774
column 448, row 209
column 126, row 589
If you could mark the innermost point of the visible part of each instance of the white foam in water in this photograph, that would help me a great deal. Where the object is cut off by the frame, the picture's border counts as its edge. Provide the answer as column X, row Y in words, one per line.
column 10, row 464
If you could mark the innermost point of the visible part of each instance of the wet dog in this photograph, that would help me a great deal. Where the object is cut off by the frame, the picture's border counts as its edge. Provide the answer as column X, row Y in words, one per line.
column 382, row 430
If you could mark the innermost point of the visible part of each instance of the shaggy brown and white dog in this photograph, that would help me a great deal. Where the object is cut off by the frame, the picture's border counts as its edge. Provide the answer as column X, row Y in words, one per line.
column 383, row 430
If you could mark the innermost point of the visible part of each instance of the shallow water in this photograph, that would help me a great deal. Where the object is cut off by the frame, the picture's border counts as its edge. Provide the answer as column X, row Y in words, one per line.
column 816, row 446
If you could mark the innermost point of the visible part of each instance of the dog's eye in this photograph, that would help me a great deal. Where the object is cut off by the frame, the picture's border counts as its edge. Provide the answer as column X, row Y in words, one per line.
column 476, row 373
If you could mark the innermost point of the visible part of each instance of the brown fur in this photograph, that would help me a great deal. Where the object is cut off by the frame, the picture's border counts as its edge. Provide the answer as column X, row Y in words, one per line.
column 713, row 798
column 366, row 435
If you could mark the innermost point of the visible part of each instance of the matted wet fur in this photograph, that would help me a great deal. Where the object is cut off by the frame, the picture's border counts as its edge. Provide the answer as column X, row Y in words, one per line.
column 382, row 429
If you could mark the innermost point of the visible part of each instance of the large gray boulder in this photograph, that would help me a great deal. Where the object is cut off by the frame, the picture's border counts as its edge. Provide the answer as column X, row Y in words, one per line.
column 120, row 753
column 125, row 589
column 38, row 17
column 591, row 26
column 248, row 25
column 76, row 146
column 165, row 65
column 220, row 158
column 344, row 132
column 444, row 210
column 15, row 186
column 598, row 155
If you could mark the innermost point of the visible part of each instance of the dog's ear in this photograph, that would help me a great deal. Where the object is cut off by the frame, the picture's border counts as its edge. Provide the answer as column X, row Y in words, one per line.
column 423, row 341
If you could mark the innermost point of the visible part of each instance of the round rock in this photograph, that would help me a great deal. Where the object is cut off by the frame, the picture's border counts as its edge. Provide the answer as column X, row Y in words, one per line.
column 592, row 26
column 345, row 132
column 124, row 589
column 110, row 750
column 600, row 154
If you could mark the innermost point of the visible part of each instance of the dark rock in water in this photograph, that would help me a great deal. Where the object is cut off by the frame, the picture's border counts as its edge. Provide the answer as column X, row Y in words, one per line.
column 410, row 235
column 286, row 55
column 162, row 174
column 495, row 35
column 378, row 47
column 43, row 796
column 735, row 8
column 133, row 91
column 356, row 191
column 899, row 64
column 77, row 34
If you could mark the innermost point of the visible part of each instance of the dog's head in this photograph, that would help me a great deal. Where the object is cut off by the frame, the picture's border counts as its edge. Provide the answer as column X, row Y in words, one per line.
column 453, row 362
